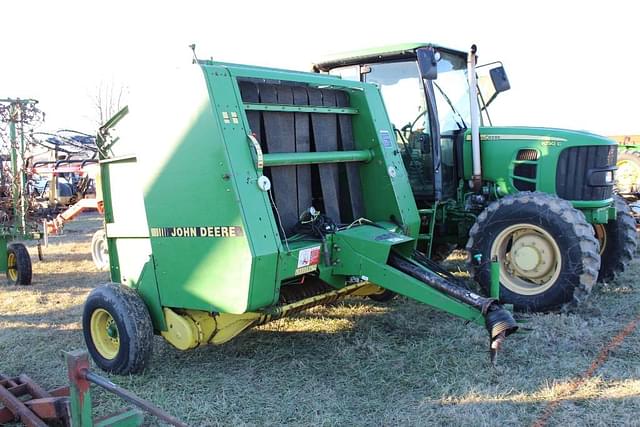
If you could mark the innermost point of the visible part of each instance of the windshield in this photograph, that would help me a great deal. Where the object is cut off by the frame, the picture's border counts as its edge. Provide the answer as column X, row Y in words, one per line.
column 452, row 93
column 401, row 89
column 403, row 92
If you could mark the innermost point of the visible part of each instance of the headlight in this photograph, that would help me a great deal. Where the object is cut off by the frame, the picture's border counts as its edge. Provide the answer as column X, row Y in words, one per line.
column 609, row 177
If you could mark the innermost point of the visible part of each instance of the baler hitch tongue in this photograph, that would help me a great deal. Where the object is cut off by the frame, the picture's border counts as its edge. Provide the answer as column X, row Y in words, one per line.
column 498, row 320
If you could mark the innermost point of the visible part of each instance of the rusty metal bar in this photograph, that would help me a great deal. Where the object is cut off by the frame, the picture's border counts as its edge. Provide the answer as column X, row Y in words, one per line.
column 60, row 391
column 5, row 380
column 35, row 390
column 19, row 409
column 50, row 408
column 132, row 398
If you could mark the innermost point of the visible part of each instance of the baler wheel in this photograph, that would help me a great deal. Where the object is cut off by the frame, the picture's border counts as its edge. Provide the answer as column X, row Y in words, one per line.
column 100, row 250
column 547, row 251
column 117, row 329
column 618, row 241
column 18, row 264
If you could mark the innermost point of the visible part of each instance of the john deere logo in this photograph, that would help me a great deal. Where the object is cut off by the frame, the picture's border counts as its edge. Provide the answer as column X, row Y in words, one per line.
column 207, row 231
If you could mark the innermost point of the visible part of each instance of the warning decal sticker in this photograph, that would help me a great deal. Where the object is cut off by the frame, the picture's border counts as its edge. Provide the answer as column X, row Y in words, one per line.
column 309, row 256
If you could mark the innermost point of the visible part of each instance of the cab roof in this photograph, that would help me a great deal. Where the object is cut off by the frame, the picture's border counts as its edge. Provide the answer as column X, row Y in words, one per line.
column 376, row 54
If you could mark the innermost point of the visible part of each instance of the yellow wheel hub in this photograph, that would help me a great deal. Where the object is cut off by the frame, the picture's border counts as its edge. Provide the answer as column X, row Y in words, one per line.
column 530, row 260
column 104, row 333
column 12, row 267
column 601, row 235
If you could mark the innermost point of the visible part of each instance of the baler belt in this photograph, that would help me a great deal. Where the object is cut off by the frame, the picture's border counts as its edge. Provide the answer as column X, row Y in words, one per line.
column 303, row 145
column 347, row 143
column 249, row 93
column 325, row 136
column 280, row 138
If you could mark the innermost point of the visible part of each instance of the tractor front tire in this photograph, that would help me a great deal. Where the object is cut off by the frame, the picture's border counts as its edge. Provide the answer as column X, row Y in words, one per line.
column 117, row 329
column 618, row 241
column 100, row 250
column 19, row 270
column 547, row 251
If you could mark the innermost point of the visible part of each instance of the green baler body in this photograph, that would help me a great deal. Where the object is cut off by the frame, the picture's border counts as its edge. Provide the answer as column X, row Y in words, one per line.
column 189, row 226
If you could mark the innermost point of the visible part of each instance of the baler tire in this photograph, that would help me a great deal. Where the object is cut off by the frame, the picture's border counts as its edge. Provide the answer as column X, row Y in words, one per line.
column 618, row 241
column 547, row 221
column 632, row 158
column 100, row 250
column 127, row 349
column 384, row 296
column 19, row 269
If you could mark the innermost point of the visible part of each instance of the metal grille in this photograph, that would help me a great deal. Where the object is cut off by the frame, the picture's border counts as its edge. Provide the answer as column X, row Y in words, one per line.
column 574, row 167
column 528, row 154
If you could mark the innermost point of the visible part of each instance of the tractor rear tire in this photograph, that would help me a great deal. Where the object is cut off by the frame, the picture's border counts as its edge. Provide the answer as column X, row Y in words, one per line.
column 100, row 250
column 19, row 270
column 618, row 241
column 117, row 329
column 547, row 251
column 628, row 173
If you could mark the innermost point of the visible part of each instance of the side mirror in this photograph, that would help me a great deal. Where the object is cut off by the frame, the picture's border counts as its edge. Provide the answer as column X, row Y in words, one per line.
column 499, row 79
column 427, row 63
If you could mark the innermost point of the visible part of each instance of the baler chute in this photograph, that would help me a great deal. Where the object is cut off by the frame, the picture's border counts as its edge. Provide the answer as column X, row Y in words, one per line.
column 280, row 191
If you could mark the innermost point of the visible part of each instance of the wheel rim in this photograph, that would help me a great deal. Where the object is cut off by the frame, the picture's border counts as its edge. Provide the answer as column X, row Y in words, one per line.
column 627, row 175
column 601, row 235
column 104, row 333
column 530, row 259
column 12, row 267
column 101, row 253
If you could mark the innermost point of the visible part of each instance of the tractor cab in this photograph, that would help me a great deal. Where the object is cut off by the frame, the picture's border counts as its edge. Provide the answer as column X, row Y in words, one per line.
column 426, row 95
column 471, row 179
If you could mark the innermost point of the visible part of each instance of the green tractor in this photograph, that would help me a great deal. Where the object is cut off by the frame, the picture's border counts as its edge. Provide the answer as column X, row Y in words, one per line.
column 540, row 201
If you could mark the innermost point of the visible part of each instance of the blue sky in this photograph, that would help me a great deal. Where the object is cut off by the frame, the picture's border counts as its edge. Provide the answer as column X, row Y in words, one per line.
column 571, row 64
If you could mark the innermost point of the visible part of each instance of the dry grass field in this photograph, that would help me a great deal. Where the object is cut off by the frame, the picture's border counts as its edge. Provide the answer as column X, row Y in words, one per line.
column 353, row 363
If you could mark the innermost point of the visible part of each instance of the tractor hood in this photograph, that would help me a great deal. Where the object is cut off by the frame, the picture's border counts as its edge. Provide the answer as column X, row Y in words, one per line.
column 542, row 135
column 575, row 165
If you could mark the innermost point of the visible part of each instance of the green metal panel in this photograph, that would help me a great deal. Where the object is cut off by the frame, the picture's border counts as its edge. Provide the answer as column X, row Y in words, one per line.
column 209, row 271
column 499, row 147
column 3, row 253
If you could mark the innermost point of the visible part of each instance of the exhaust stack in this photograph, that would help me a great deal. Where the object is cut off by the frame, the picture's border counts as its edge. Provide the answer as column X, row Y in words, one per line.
column 476, row 177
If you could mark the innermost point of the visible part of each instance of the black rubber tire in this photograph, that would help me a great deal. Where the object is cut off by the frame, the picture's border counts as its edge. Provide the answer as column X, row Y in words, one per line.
column 574, row 236
column 384, row 296
column 631, row 156
column 23, row 268
column 620, row 243
column 133, row 322
column 100, row 250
